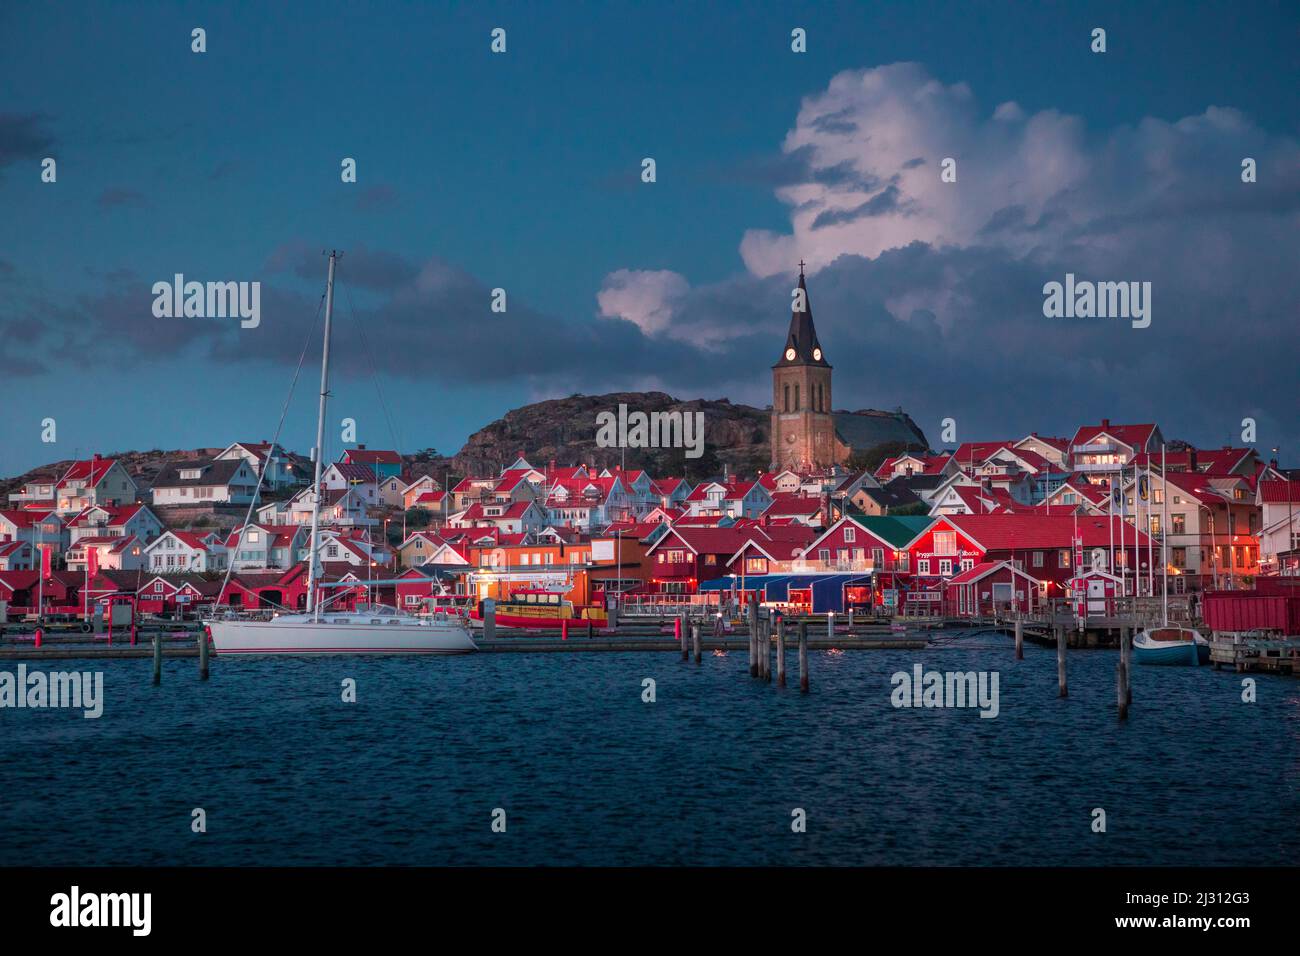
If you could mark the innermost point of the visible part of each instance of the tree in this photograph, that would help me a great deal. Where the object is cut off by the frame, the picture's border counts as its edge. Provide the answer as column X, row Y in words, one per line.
column 417, row 518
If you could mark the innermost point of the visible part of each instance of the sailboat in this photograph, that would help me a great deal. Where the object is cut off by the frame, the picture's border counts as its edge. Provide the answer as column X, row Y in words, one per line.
column 1168, row 644
column 369, row 629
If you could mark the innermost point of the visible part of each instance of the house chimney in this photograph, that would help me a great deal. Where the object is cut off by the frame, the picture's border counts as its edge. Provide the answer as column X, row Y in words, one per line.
column 1105, row 423
column 361, row 448
column 96, row 457
column 1191, row 459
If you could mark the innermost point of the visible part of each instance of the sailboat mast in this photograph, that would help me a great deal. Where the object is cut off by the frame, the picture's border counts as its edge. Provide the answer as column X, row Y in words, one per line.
column 1164, row 536
column 312, row 574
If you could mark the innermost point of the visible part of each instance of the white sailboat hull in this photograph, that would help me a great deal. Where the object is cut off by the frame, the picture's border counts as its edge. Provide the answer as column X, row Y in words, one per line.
column 298, row 637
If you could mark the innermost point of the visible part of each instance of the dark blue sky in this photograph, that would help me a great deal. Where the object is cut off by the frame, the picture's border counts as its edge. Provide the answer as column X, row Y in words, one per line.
column 522, row 171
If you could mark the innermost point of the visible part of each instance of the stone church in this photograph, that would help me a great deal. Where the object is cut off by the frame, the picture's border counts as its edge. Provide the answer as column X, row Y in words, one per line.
column 806, row 434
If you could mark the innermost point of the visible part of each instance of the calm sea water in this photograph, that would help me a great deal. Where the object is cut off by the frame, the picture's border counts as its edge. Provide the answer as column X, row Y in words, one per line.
column 708, row 774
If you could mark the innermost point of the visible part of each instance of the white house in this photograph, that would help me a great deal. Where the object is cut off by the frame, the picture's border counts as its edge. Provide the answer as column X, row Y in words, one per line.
column 95, row 481
column 214, row 481
column 177, row 551
column 280, row 472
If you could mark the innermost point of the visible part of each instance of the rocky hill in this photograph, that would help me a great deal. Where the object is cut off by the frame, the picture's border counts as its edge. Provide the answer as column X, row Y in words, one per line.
column 736, row 438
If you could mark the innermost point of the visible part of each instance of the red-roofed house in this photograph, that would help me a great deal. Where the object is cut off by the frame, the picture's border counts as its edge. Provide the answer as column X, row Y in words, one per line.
column 424, row 484
column 16, row 556
column 804, row 509
column 95, row 481
column 1279, row 537
column 177, row 551
column 1042, row 546
column 1099, row 451
column 111, row 553
column 381, row 464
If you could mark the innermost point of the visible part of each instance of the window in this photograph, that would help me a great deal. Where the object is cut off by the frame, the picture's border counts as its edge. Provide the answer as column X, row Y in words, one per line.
column 850, row 534
column 945, row 542
column 945, row 567
column 1178, row 523
column 967, row 563
column 824, row 555
column 787, row 397
column 1038, row 559
column 711, row 560
column 1063, row 558
column 796, row 398
column 904, row 558
column 923, row 567
column 877, row 556
column 1178, row 557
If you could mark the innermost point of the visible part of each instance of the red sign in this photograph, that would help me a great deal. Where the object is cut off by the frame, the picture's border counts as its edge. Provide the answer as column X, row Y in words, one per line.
column 92, row 561
column 45, row 562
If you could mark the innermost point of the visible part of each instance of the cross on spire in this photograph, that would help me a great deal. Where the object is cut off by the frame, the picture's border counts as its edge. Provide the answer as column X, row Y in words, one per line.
column 801, row 265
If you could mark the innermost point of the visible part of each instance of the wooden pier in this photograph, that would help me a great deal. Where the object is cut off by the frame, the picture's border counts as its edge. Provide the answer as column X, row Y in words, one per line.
column 1255, row 653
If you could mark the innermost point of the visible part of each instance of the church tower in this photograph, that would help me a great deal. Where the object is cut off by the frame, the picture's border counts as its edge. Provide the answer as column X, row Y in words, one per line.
column 803, row 430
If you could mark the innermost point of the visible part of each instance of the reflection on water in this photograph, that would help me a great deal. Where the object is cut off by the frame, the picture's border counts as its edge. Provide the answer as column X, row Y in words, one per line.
column 707, row 774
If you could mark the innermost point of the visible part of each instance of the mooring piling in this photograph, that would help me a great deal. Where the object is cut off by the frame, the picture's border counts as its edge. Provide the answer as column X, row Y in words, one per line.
column 157, row 659
column 1062, row 689
column 1125, row 689
column 1020, row 639
column 203, row 653
column 681, row 639
column 695, row 641
column 780, row 651
column 803, row 657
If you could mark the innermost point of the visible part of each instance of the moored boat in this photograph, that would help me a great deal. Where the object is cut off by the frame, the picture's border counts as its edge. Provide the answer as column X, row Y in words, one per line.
column 367, row 630
column 1170, row 645
column 544, row 610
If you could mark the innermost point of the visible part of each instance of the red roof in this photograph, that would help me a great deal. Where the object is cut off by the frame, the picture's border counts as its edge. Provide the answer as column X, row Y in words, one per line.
column 1135, row 436
column 91, row 471
column 1017, row 532
column 371, row 456
column 788, row 504
column 1279, row 492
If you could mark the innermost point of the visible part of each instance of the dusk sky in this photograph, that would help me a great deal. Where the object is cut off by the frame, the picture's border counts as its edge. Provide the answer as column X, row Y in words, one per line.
column 522, row 171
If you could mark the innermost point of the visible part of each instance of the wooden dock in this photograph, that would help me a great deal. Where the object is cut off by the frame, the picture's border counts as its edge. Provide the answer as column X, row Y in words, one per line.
column 1249, row 653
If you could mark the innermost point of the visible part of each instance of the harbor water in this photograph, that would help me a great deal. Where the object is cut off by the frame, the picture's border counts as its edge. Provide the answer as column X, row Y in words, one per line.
column 714, row 771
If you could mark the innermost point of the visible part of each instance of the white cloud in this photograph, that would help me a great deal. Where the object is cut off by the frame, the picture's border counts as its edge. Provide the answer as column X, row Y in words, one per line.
column 646, row 298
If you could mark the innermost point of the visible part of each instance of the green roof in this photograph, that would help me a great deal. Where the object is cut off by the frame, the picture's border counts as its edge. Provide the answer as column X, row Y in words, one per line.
column 898, row 530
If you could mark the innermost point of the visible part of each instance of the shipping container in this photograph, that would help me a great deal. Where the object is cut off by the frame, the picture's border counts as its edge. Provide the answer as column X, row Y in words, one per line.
column 1253, row 610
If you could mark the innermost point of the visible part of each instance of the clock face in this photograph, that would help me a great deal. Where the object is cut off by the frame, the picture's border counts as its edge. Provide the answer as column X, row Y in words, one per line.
column 790, row 439
column 817, row 355
column 789, row 355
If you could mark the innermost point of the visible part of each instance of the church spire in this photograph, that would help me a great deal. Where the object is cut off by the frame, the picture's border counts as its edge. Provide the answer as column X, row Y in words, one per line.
column 801, row 345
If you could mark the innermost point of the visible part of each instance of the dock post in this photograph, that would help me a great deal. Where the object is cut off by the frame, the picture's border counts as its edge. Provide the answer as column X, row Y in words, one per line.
column 1126, row 657
column 830, row 625
column 753, row 635
column 695, row 641
column 157, row 659
column 39, row 634
column 1020, row 639
column 203, row 653
column 803, row 657
column 489, row 619
column 767, row 648
column 1062, row 689
column 780, row 652
column 681, row 639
